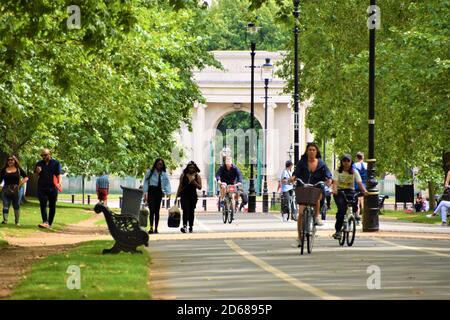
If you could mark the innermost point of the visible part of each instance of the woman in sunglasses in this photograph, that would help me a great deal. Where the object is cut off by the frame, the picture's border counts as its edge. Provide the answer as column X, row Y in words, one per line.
column 190, row 181
column 11, row 174
column 344, row 179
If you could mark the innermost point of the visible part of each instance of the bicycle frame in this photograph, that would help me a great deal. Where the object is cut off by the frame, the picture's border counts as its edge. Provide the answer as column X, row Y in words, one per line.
column 308, row 225
column 229, row 203
column 349, row 223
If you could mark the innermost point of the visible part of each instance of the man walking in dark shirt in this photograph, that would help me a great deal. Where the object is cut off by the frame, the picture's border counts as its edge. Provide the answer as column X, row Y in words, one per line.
column 49, row 182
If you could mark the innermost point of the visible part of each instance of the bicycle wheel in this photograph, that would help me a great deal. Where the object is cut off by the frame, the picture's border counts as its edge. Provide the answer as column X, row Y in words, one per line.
column 231, row 213
column 304, row 231
column 311, row 234
column 351, row 231
column 225, row 211
column 343, row 235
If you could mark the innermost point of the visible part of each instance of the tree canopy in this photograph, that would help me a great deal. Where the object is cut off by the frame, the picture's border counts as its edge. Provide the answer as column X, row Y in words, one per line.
column 105, row 96
column 412, row 87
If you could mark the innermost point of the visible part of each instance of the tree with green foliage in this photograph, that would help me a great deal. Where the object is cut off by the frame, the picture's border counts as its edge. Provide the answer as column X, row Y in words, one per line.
column 412, row 89
column 108, row 95
column 228, row 30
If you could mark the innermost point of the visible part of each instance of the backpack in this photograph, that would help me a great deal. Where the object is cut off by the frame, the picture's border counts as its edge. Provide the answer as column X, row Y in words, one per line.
column 362, row 172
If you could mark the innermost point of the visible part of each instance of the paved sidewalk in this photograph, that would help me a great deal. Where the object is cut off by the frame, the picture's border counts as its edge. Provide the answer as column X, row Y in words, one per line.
column 258, row 225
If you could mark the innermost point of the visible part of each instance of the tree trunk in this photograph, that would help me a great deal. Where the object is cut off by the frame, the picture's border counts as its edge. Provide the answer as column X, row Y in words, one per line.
column 431, row 193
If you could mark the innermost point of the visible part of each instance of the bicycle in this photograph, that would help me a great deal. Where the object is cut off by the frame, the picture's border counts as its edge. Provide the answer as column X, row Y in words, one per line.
column 228, row 209
column 291, row 207
column 307, row 195
column 348, row 230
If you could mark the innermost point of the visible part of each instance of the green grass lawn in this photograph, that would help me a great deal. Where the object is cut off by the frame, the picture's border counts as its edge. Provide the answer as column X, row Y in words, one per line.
column 106, row 277
column 3, row 243
column 30, row 217
column 420, row 217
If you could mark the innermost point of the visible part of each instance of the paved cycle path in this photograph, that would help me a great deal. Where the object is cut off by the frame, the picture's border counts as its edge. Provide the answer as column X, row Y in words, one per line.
column 255, row 258
column 273, row 269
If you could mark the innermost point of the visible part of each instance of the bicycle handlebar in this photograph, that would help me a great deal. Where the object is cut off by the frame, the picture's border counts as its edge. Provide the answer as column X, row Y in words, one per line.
column 320, row 183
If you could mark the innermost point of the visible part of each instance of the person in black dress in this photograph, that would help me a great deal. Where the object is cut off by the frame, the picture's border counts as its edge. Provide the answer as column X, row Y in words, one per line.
column 10, row 174
column 190, row 181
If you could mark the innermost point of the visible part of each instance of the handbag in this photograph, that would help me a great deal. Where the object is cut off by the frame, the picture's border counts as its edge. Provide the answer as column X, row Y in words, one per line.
column 11, row 190
column 174, row 218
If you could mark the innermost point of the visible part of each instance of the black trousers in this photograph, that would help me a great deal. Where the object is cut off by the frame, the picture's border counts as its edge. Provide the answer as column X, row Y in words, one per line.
column 155, row 196
column 341, row 203
column 48, row 195
column 188, row 204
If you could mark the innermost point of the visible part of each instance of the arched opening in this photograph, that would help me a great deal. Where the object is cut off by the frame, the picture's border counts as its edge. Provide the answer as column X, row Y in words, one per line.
column 233, row 137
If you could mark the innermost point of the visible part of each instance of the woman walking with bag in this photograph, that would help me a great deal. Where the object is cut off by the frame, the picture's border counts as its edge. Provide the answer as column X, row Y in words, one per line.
column 11, row 174
column 156, row 184
column 190, row 181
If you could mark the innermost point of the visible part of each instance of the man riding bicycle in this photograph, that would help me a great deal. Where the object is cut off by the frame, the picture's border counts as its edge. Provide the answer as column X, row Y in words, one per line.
column 311, row 169
column 228, row 174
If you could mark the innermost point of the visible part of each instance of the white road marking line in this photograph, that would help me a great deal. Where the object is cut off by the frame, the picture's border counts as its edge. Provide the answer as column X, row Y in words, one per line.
column 280, row 274
column 420, row 249
column 202, row 225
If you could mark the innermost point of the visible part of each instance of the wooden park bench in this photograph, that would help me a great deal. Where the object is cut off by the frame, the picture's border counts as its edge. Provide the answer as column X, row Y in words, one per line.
column 124, row 227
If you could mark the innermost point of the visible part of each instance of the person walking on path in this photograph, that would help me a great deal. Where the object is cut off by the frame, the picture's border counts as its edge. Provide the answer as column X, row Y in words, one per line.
column 49, row 182
column 156, row 184
column 287, row 189
column 11, row 174
column 190, row 181
column 102, row 188
column 361, row 166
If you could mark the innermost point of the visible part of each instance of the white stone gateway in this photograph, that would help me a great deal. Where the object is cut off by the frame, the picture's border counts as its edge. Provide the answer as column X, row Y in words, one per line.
column 228, row 91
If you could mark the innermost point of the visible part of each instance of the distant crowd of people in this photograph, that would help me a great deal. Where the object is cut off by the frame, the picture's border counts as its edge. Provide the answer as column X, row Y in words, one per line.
column 347, row 180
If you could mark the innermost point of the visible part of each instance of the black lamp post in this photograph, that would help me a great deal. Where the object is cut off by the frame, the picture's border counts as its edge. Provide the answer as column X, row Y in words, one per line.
column 371, row 210
column 266, row 75
column 252, row 30
column 290, row 152
column 296, row 94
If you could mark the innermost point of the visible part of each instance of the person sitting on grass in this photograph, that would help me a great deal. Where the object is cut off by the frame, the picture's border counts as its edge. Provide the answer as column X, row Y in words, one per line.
column 443, row 207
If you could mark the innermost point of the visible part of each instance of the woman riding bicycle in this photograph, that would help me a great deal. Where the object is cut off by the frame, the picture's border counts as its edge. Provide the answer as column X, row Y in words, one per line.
column 344, row 181
column 311, row 169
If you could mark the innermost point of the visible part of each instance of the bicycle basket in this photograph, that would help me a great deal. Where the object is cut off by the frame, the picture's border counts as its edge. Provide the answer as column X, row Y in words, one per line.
column 231, row 189
column 307, row 195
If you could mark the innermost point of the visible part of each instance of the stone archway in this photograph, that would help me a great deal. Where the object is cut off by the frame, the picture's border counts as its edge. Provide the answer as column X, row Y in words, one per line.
column 227, row 91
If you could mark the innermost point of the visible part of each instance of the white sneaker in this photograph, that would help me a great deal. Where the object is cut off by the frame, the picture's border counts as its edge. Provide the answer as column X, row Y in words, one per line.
column 318, row 222
column 430, row 215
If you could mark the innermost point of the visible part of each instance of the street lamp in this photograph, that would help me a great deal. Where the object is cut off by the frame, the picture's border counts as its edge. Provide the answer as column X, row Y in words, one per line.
column 266, row 75
column 371, row 210
column 296, row 94
column 252, row 30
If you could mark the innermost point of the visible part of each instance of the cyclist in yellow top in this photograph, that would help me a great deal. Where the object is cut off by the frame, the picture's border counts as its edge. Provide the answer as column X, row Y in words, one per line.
column 344, row 179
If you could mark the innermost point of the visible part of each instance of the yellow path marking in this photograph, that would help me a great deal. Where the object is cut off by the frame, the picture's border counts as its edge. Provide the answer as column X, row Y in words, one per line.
column 420, row 249
column 280, row 274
